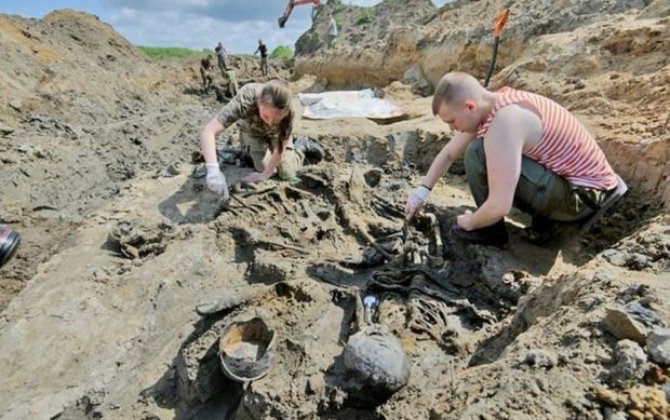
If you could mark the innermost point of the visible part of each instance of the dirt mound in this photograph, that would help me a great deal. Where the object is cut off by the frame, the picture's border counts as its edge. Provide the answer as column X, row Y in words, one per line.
column 81, row 112
column 57, row 65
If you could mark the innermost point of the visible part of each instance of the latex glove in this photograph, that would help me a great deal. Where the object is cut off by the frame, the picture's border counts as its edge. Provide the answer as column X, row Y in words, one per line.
column 216, row 181
column 415, row 201
column 255, row 177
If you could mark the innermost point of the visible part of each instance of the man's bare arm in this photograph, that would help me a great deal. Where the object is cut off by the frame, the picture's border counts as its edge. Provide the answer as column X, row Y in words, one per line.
column 503, row 146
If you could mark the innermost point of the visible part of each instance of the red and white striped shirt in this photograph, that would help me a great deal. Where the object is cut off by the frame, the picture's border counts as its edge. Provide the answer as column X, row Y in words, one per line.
column 566, row 147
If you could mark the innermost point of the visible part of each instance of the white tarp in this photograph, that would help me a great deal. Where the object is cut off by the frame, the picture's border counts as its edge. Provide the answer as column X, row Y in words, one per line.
column 352, row 103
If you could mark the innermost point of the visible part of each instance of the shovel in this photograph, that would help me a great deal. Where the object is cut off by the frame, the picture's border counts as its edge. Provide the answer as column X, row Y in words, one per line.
column 498, row 28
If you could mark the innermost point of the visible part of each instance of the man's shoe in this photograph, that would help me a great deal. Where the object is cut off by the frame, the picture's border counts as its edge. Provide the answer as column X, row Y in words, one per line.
column 494, row 235
column 311, row 150
column 541, row 230
column 282, row 21
column 613, row 197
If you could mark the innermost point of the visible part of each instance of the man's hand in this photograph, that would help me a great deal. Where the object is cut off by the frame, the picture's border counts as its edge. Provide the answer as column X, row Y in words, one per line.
column 464, row 221
column 255, row 177
column 216, row 181
column 415, row 201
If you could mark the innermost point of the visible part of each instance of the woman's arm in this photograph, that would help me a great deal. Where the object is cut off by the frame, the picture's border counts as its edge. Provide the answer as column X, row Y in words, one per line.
column 208, row 141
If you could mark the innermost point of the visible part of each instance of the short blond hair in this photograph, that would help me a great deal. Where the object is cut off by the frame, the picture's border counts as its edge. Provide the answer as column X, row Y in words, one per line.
column 454, row 87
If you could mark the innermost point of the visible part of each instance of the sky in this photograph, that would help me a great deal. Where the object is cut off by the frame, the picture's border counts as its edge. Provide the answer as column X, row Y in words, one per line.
column 196, row 24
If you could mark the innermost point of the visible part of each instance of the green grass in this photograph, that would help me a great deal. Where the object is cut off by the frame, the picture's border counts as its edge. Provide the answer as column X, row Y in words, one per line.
column 282, row 51
column 366, row 16
column 339, row 6
column 173, row 52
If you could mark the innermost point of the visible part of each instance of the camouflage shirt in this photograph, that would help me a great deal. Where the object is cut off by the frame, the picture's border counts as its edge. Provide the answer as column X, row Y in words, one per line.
column 243, row 109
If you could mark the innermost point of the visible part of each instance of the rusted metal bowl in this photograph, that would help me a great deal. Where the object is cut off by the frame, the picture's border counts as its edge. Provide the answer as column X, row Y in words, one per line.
column 246, row 349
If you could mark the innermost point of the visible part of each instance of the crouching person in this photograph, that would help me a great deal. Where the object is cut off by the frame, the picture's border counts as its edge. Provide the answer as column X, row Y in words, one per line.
column 265, row 118
column 521, row 149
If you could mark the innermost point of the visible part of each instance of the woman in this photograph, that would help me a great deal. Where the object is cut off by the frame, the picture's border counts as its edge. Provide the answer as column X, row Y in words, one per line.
column 264, row 115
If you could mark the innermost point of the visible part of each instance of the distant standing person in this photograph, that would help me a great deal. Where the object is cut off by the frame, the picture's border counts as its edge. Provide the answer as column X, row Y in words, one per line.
column 263, row 49
column 221, row 57
column 332, row 30
column 206, row 72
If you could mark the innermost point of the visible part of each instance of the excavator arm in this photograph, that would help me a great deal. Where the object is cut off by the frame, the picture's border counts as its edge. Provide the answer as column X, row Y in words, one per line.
column 289, row 8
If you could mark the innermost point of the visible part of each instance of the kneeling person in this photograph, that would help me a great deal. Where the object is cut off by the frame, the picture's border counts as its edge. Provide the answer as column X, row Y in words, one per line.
column 521, row 149
column 265, row 117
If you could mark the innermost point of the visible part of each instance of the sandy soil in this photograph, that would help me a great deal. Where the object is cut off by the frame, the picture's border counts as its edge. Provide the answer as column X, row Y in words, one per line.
column 123, row 247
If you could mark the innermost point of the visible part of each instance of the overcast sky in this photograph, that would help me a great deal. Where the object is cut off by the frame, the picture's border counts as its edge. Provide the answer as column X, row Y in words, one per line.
column 189, row 23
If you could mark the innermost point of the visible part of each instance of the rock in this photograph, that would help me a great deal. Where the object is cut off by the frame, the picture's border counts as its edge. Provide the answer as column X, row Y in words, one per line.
column 16, row 104
column 658, row 346
column 642, row 310
column 414, row 77
column 5, row 130
column 232, row 299
column 376, row 358
column 666, row 390
column 541, row 358
column 621, row 325
column 615, row 257
column 630, row 363
column 315, row 385
column 639, row 261
column 168, row 172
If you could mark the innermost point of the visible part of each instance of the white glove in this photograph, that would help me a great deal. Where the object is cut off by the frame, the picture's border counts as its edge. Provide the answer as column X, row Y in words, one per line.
column 216, row 181
column 416, row 200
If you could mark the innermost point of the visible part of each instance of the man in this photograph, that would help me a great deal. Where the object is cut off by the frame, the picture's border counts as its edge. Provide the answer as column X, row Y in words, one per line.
column 522, row 149
column 263, row 49
column 206, row 72
column 331, row 35
column 265, row 118
column 221, row 57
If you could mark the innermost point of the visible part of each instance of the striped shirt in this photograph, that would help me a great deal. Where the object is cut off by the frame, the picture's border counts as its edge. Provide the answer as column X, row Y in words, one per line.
column 565, row 147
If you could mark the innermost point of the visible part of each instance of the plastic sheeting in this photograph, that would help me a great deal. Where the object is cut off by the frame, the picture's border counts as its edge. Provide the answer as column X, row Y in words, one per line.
column 352, row 104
